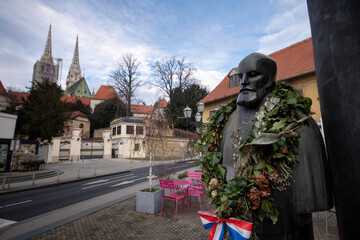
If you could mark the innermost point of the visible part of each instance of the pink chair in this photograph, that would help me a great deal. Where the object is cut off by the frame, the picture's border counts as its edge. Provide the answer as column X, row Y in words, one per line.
column 174, row 195
column 196, row 189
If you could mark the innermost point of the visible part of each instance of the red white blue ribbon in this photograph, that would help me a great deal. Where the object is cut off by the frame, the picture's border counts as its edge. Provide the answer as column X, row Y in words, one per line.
column 238, row 230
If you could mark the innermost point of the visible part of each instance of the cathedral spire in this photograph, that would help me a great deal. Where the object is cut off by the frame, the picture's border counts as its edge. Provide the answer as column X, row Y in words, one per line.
column 47, row 55
column 75, row 71
column 75, row 59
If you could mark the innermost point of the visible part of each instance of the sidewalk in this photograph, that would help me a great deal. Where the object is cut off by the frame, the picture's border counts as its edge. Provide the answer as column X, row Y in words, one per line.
column 121, row 221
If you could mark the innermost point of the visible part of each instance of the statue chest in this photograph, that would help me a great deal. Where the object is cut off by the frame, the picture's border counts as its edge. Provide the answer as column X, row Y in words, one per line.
column 237, row 128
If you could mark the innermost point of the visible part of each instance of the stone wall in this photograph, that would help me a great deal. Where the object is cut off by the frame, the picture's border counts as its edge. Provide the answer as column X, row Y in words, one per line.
column 171, row 148
column 25, row 153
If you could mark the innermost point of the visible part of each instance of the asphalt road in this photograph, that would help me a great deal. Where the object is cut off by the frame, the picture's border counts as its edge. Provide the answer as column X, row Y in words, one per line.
column 23, row 205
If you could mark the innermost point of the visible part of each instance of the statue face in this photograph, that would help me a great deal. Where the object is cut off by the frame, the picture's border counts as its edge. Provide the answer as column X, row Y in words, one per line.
column 254, row 82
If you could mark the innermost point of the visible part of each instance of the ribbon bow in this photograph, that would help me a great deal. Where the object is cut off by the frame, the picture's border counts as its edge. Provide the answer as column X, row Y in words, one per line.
column 238, row 230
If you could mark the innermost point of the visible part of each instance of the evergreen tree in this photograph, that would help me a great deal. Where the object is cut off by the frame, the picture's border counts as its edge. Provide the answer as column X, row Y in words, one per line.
column 179, row 99
column 43, row 113
column 105, row 112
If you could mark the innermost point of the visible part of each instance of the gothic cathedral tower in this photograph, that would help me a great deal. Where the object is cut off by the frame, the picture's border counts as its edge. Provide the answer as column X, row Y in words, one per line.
column 75, row 83
column 45, row 69
column 74, row 74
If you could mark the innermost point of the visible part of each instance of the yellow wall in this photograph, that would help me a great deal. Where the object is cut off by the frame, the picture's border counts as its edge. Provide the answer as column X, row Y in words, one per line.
column 309, row 89
column 307, row 84
column 212, row 105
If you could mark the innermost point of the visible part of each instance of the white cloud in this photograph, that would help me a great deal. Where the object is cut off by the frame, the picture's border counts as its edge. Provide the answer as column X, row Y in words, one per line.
column 210, row 78
column 286, row 28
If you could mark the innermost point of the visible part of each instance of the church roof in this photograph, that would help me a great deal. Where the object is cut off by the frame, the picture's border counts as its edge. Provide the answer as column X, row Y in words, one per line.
column 79, row 88
column 292, row 61
column 2, row 89
column 105, row 92
column 142, row 109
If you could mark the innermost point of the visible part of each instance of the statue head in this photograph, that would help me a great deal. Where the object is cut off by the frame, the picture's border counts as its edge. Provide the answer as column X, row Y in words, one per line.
column 257, row 74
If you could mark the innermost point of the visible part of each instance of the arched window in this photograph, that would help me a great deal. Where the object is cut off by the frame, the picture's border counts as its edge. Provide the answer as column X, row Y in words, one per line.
column 81, row 125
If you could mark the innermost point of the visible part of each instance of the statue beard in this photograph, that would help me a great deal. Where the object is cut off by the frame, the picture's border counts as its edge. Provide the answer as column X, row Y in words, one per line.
column 250, row 97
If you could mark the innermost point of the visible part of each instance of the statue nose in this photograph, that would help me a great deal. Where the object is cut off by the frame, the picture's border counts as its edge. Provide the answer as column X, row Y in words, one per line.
column 244, row 80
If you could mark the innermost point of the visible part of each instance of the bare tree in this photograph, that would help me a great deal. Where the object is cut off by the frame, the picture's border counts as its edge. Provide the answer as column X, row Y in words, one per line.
column 172, row 72
column 125, row 79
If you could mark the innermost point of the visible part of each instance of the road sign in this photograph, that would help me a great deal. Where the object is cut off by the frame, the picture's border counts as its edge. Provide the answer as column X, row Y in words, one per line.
column 86, row 144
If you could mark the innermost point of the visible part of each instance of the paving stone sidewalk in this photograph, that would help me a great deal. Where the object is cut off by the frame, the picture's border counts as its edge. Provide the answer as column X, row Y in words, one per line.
column 121, row 221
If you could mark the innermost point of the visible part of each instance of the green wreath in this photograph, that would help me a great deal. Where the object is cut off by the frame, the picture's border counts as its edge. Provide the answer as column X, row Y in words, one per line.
column 267, row 156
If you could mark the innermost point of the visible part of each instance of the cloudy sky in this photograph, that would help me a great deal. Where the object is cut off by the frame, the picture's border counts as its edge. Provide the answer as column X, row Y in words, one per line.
column 214, row 35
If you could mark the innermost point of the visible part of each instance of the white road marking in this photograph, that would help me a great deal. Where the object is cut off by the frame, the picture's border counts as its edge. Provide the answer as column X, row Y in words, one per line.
column 100, row 184
column 122, row 183
column 126, row 182
column 100, row 181
column 106, row 180
column 13, row 204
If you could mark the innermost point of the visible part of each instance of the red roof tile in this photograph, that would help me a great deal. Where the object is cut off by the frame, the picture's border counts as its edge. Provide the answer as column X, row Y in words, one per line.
column 105, row 92
column 145, row 109
column 294, row 60
column 163, row 103
column 77, row 114
column 2, row 89
column 73, row 99
column 16, row 97
column 291, row 61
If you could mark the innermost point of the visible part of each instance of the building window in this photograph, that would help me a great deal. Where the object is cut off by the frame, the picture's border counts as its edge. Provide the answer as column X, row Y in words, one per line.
column 114, row 131
column 67, row 131
column 137, row 147
column 231, row 81
column 139, row 130
column 212, row 113
column 81, row 125
column 118, row 130
column 129, row 129
column 234, row 81
column 237, row 82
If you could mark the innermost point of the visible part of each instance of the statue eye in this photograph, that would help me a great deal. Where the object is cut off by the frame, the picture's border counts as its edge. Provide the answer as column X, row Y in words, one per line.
column 252, row 74
column 240, row 76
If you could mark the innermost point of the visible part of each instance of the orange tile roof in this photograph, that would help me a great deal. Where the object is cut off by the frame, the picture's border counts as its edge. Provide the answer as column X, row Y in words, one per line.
column 295, row 60
column 105, row 92
column 144, row 109
column 16, row 97
column 73, row 99
column 2, row 89
column 75, row 114
column 292, row 61
column 163, row 103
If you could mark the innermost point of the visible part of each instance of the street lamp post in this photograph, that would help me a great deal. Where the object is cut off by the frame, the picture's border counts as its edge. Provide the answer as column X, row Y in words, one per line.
column 198, row 116
column 187, row 114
